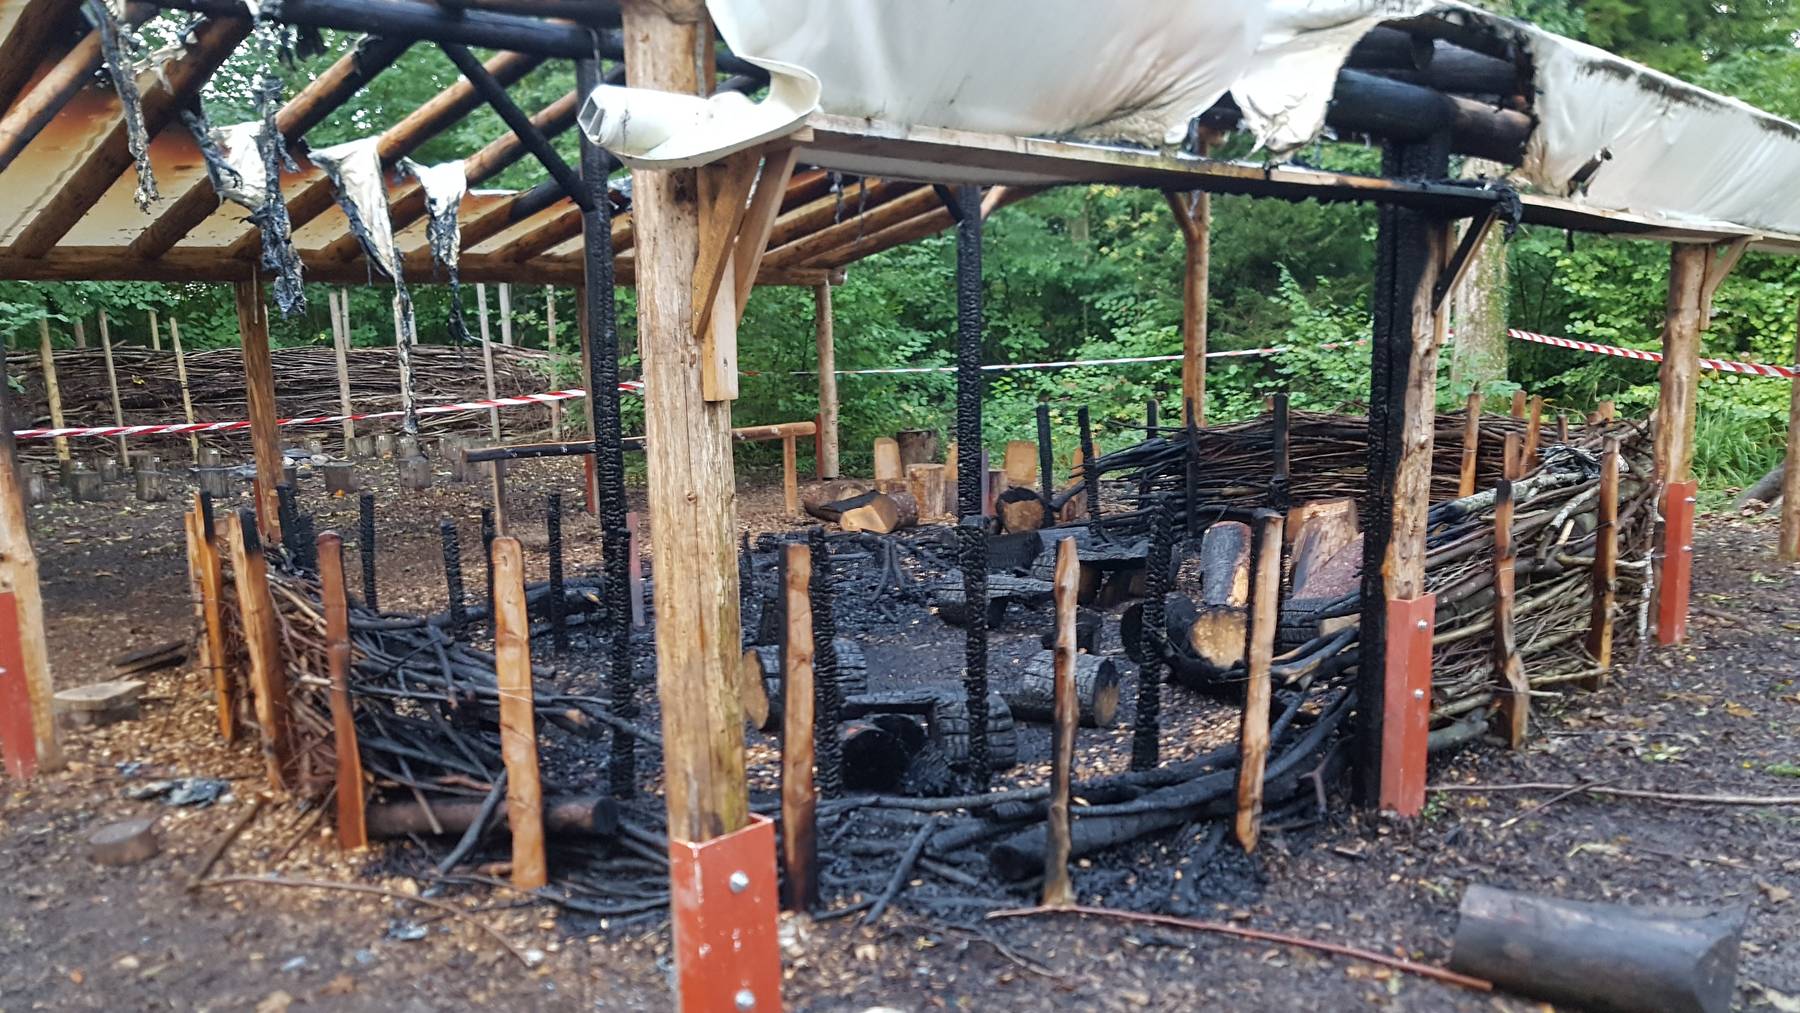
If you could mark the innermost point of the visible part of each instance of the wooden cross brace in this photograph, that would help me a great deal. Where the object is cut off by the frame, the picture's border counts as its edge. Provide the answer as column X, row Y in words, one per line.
column 738, row 206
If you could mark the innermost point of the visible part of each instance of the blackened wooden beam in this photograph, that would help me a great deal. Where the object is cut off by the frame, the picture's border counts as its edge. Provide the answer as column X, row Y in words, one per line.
column 423, row 21
column 516, row 119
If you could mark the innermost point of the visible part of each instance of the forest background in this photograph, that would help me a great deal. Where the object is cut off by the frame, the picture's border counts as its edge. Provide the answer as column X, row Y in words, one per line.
column 1095, row 272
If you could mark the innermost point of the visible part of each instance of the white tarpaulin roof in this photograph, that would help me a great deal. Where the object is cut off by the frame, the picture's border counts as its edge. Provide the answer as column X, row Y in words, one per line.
column 1140, row 71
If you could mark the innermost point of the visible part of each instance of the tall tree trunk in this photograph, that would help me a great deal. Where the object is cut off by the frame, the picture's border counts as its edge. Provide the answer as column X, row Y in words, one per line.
column 1479, row 304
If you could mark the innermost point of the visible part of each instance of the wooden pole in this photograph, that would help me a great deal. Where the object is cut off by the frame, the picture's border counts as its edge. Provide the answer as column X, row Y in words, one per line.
column 497, row 472
column 1512, row 691
column 52, row 390
column 340, row 341
column 1253, row 734
column 1193, row 215
column 187, row 394
column 688, row 451
column 1512, row 456
column 80, row 334
column 1058, row 890
column 262, row 643
column 1675, row 403
column 259, row 386
column 1471, row 444
column 790, row 475
column 1534, row 432
column 556, row 408
column 506, row 336
column 112, row 386
column 825, row 448
column 799, row 798
column 19, row 578
column 1518, row 404
column 1606, row 560
column 352, row 830
column 518, row 729
column 1790, row 475
column 210, row 571
column 155, row 337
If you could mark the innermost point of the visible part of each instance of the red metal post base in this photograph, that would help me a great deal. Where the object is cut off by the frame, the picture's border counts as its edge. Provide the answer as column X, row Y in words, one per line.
column 1406, row 713
column 18, row 742
column 1678, row 562
column 723, row 903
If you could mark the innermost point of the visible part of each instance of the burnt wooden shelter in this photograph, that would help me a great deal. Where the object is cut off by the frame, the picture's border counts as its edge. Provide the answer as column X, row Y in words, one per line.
column 696, row 241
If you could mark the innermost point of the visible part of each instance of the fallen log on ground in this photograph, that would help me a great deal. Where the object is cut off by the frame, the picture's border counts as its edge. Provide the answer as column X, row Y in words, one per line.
column 1096, row 690
column 588, row 816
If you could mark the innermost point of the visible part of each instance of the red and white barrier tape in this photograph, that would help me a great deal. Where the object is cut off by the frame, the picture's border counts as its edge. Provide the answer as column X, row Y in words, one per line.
column 632, row 386
column 1007, row 367
column 1719, row 365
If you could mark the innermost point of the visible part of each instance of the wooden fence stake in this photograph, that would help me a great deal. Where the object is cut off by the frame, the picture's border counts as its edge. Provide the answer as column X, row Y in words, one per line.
column 340, row 342
column 1790, row 477
column 1058, row 890
column 799, row 798
column 210, row 580
column 262, row 641
column 1606, row 558
column 1471, row 445
column 1534, row 430
column 790, row 475
column 52, row 390
column 112, row 385
column 518, row 728
column 352, row 830
column 1512, row 458
column 506, row 314
column 1253, row 734
column 556, row 408
column 1518, row 405
column 497, row 470
column 1513, row 692
column 187, row 394
column 80, row 334
column 155, row 338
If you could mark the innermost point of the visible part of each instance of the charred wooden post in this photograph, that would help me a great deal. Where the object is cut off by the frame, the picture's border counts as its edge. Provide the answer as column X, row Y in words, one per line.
column 1146, row 734
column 972, row 558
column 828, row 690
column 799, row 798
column 1191, row 477
column 1280, row 497
column 1408, row 329
column 259, row 387
column 1090, row 477
column 365, row 548
column 1600, row 956
column 553, row 538
column 488, row 533
column 518, row 717
column 1058, row 890
column 1513, row 692
column 352, row 831
column 1253, row 734
column 1471, row 447
column 971, row 382
column 1605, row 573
column 262, row 642
column 287, row 510
column 1789, row 547
column 453, row 576
column 1046, row 454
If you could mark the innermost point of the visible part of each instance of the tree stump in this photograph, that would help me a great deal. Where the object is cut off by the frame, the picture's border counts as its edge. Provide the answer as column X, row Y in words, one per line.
column 760, row 683
column 217, row 482
column 414, row 472
column 1096, row 690
column 883, row 514
column 208, row 457
column 36, row 486
column 152, row 485
column 1022, row 508
column 926, row 482
column 406, row 445
column 313, row 445
column 340, row 477
column 1220, row 573
column 84, row 485
column 384, row 444
column 917, row 446
column 124, row 843
column 887, row 460
column 363, row 446
column 98, row 704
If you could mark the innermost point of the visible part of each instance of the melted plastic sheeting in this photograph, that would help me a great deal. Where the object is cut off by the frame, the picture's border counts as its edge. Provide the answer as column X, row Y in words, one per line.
column 445, row 185
column 354, row 168
column 116, row 44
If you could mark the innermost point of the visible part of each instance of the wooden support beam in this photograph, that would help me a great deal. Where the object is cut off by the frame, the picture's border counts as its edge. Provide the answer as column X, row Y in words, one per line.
column 259, row 389
column 790, row 476
column 59, row 82
column 1452, row 275
column 19, row 583
column 1253, row 732
column 262, row 643
column 1511, row 690
column 1675, row 416
column 1193, row 215
column 759, row 220
column 1790, row 475
column 1471, row 444
column 799, row 798
column 1605, row 572
column 1719, row 264
column 861, row 223
column 493, row 92
column 177, row 82
column 309, row 107
column 692, row 505
column 824, row 210
column 724, row 189
column 352, row 827
column 928, row 224
column 210, row 580
column 33, row 30
column 825, row 448
column 518, row 716
column 339, row 302
column 1059, row 891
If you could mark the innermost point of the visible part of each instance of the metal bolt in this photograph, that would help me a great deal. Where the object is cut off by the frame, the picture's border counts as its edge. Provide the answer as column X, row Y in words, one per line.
column 1423, row 624
column 1418, row 694
column 1688, row 499
column 745, row 999
column 739, row 882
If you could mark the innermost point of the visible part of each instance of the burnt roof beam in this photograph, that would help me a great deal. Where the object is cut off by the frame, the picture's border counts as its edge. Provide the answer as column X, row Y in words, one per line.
column 515, row 118
column 65, row 77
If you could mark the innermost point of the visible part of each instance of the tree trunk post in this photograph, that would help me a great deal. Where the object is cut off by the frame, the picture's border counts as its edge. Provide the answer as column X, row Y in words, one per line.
column 1471, row 448
column 1058, row 890
column 52, row 389
column 556, row 407
column 518, row 717
column 23, row 647
column 262, row 642
column 112, row 387
column 1605, row 572
column 210, row 577
column 1790, row 475
column 1675, row 404
column 259, row 386
column 799, row 796
column 1193, row 215
column 187, row 394
column 826, row 462
column 1511, row 689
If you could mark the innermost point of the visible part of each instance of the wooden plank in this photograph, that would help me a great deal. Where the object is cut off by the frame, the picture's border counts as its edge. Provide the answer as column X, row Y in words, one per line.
column 19, row 579
column 724, row 189
column 825, row 448
column 224, row 675
column 1511, row 689
column 262, row 642
column 187, row 393
column 691, row 484
column 259, row 388
column 1058, row 890
column 518, row 716
column 112, row 389
column 859, row 223
column 52, row 389
column 1719, row 264
column 759, row 220
column 1790, row 476
column 1605, row 571
column 178, row 81
column 1253, row 732
column 799, row 798
column 352, row 828
column 1471, row 445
